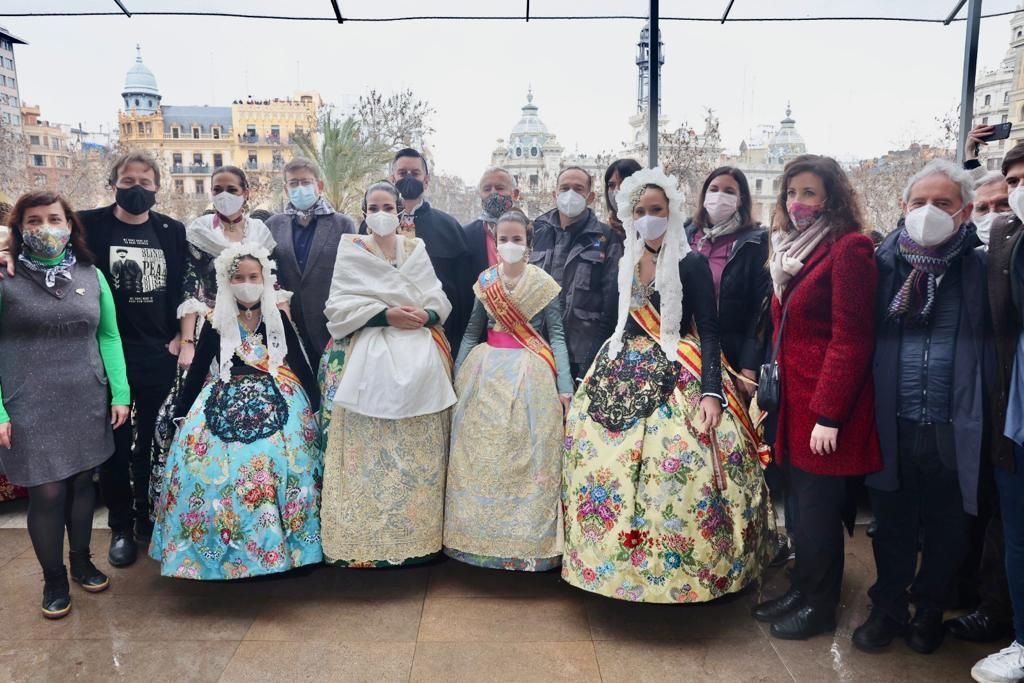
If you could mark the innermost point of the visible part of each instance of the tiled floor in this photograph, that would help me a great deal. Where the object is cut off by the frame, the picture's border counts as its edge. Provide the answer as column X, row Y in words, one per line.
column 445, row 622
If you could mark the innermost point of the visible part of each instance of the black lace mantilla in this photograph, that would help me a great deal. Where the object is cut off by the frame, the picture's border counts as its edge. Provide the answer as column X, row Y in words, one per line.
column 632, row 386
column 246, row 409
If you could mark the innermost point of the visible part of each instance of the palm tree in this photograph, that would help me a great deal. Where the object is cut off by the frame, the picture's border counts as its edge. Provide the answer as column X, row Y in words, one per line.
column 348, row 162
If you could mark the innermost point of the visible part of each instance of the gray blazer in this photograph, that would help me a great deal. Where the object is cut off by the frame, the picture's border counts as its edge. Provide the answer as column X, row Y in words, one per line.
column 311, row 286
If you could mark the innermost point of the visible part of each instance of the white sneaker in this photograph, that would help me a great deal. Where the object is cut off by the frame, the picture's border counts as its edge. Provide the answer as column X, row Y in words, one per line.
column 1005, row 666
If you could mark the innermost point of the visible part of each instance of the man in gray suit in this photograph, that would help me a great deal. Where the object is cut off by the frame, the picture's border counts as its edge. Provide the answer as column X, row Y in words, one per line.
column 307, row 236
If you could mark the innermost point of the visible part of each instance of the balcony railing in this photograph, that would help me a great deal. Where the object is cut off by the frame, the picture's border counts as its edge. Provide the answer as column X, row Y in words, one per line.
column 257, row 140
column 191, row 168
column 274, row 166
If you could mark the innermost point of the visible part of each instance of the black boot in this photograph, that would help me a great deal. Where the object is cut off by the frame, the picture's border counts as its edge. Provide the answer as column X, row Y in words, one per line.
column 925, row 632
column 805, row 623
column 56, row 593
column 123, row 550
column 85, row 573
column 771, row 611
column 878, row 632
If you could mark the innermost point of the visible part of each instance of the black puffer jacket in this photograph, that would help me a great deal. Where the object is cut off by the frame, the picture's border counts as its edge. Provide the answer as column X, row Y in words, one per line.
column 745, row 286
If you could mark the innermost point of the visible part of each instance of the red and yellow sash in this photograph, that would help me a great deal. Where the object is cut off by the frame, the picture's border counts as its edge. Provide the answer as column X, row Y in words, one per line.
column 508, row 315
column 437, row 332
column 689, row 355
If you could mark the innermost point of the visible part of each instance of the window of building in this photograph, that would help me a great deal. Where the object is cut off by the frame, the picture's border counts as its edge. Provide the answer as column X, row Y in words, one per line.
column 39, row 179
column 62, row 162
column 175, row 132
column 200, row 187
column 3, row 80
column 11, row 82
column 55, row 143
column 775, row 185
column 197, row 159
column 38, row 160
column 533, row 151
column 216, row 132
column 218, row 160
column 534, row 182
column 7, row 117
column 519, row 151
column 988, row 100
column 176, row 158
column 179, row 186
column 128, row 129
column 136, row 101
column 250, row 134
column 195, row 133
column 149, row 129
column 275, row 133
column 33, row 139
column 1006, row 97
column 984, row 120
column 993, row 164
column 1005, row 118
column 253, row 160
column 758, row 185
column 15, row 119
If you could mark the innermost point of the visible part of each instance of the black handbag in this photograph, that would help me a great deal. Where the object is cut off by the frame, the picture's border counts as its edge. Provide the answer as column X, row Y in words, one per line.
column 769, row 384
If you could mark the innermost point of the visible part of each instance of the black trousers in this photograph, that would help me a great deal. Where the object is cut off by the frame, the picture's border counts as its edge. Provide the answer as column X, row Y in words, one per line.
column 817, row 504
column 927, row 507
column 993, row 590
column 124, row 477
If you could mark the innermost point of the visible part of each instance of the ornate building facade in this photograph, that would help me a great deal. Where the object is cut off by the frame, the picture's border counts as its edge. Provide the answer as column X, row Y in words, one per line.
column 994, row 100
column 49, row 149
column 191, row 141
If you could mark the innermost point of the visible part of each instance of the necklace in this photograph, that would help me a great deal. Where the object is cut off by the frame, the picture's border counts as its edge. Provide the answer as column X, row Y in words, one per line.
column 245, row 328
column 248, row 311
column 509, row 282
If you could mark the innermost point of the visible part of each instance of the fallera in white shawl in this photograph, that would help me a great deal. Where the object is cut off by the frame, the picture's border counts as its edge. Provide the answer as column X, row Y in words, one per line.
column 389, row 373
column 225, row 311
column 674, row 248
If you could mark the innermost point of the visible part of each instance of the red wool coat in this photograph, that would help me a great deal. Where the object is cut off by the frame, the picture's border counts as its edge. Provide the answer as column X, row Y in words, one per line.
column 825, row 358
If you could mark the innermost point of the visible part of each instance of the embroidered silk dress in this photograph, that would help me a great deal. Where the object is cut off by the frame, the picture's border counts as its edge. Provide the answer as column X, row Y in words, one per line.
column 646, row 517
column 504, row 472
column 386, row 392
column 241, row 489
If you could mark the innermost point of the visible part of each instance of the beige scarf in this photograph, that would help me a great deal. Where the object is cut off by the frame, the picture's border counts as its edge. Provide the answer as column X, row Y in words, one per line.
column 790, row 248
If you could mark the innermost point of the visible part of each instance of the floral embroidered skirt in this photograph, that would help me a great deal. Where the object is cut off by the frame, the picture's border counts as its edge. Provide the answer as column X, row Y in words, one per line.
column 383, row 499
column 644, row 518
column 238, row 499
column 504, row 474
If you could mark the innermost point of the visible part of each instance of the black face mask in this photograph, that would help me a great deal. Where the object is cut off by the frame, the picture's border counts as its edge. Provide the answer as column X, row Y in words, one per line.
column 135, row 200
column 410, row 188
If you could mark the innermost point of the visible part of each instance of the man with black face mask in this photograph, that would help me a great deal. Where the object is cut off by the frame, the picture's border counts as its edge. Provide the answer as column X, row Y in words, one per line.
column 128, row 231
column 443, row 236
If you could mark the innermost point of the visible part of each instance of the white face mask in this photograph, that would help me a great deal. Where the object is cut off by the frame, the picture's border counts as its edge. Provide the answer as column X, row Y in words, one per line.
column 1016, row 200
column 382, row 223
column 571, row 203
column 511, row 252
column 720, row 206
column 651, row 227
column 247, row 292
column 930, row 226
column 983, row 224
column 228, row 204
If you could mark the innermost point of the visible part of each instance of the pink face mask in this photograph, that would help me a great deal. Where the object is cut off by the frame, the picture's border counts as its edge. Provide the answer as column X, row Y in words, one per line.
column 803, row 215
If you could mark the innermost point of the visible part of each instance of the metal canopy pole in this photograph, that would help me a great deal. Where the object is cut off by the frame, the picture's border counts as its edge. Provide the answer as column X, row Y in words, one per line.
column 970, row 69
column 123, row 8
column 337, row 12
column 653, row 92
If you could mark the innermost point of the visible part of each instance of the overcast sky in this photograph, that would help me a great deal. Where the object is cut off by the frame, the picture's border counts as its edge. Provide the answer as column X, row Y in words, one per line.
column 857, row 88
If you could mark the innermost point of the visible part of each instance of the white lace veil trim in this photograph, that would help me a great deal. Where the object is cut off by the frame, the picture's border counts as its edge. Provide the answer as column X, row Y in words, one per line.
column 225, row 311
column 673, row 249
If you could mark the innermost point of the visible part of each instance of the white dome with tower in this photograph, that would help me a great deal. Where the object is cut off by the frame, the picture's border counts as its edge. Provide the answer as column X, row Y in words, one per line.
column 140, row 93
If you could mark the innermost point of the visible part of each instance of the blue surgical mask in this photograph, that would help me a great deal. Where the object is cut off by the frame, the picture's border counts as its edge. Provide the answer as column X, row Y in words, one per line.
column 302, row 197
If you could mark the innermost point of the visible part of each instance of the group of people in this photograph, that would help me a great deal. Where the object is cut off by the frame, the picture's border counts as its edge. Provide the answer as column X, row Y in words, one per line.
column 624, row 401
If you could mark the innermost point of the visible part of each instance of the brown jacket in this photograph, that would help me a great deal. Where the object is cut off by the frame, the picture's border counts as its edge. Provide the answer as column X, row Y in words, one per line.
column 1005, row 304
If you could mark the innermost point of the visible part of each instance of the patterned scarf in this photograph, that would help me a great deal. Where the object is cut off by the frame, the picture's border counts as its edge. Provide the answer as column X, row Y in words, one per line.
column 790, row 248
column 928, row 264
column 726, row 227
column 322, row 207
column 62, row 269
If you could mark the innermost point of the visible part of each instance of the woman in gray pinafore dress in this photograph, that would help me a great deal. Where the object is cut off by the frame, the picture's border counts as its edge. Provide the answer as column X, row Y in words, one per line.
column 62, row 387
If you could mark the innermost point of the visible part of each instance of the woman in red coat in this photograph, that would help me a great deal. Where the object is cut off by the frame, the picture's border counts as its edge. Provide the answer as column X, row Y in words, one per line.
column 823, row 271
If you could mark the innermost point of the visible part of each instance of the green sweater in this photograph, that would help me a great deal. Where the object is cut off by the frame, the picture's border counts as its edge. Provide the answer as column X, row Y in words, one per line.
column 109, row 340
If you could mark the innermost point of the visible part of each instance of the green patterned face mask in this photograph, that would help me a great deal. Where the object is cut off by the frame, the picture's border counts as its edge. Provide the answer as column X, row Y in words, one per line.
column 46, row 241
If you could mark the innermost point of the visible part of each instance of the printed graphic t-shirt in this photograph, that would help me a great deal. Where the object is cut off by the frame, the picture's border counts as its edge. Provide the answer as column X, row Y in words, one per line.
column 138, row 279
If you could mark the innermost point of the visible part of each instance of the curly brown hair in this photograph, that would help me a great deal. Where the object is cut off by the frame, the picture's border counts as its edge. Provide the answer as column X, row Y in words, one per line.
column 842, row 206
column 31, row 200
